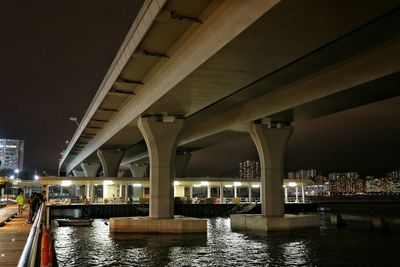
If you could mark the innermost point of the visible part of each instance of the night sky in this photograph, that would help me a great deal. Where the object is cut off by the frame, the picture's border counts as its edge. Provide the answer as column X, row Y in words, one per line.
column 54, row 54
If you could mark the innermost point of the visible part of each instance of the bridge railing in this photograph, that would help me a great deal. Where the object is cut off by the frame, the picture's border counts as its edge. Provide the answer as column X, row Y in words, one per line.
column 28, row 256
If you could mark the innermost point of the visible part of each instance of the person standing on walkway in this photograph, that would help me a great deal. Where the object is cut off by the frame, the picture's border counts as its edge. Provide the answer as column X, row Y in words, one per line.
column 21, row 202
column 34, row 202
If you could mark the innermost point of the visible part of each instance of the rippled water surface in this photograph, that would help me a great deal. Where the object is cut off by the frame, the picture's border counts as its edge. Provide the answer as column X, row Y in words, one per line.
column 326, row 246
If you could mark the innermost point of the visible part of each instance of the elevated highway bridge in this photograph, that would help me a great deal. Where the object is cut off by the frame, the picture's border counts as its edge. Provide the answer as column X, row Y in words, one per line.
column 192, row 74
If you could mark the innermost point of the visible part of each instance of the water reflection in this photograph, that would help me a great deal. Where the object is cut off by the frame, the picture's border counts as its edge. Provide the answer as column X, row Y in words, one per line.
column 295, row 253
column 327, row 246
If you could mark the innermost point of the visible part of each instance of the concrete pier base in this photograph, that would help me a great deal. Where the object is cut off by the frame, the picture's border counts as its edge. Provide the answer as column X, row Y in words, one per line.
column 176, row 225
column 262, row 223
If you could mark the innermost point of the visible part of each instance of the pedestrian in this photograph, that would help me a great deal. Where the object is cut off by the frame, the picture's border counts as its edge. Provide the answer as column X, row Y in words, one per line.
column 21, row 202
column 42, row 197
column 33, row 205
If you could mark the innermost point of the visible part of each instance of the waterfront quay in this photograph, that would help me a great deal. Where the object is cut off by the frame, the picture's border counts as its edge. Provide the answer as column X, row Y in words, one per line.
column 14, row 232
column 96, row 245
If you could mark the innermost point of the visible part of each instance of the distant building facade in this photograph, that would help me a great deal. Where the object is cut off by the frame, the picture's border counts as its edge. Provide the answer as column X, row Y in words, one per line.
column 303, row 174
column 346, row 182
column 11, row 154
column 388, row 184
column 249, row 170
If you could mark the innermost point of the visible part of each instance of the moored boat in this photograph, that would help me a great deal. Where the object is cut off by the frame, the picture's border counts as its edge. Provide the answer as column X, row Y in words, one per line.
column 74, row 222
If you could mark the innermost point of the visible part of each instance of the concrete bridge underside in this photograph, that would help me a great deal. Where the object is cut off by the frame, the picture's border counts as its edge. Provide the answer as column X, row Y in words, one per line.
column 219, row 67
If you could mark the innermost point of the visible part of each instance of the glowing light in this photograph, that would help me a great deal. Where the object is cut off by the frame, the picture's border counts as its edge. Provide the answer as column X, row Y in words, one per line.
column 237, row 183
column 12, row 177
column 107, row 182
column 292, row 184
column 66, row 182
column 255, row 186
column 137, row 185
column 197, row 185
column 176, row 183
column 204, row 183
column 36, row 177
column 228, row 185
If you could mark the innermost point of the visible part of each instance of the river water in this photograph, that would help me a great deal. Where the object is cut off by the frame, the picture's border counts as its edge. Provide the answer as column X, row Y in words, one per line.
column 326, row 246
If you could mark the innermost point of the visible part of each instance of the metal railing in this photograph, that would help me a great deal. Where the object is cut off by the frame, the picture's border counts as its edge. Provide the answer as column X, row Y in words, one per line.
column 28, row 256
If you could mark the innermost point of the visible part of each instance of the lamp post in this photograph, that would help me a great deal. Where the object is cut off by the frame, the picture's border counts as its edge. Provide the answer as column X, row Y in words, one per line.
column 74, row 119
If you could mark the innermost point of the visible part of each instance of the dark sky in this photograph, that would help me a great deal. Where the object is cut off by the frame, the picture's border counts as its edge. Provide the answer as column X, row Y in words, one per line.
column 54, row 54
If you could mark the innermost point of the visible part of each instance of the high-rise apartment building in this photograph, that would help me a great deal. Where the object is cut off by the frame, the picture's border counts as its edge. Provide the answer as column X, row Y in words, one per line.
column 11, row 154
column 346, row 182
column 303, row 174
column 250, row 170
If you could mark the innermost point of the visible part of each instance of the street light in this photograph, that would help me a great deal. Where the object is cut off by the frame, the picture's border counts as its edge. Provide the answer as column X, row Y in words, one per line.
column 75, row 119
column 12, row 177
column 16, row 171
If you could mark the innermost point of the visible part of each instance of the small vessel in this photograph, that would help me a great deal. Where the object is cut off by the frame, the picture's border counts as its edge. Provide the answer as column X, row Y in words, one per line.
column 74, row 222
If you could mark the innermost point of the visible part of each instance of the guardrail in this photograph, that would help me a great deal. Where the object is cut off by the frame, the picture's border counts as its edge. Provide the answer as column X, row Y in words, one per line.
column 28, row 256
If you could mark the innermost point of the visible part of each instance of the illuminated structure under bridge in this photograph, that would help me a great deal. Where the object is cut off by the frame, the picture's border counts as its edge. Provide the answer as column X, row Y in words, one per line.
column 191, row 190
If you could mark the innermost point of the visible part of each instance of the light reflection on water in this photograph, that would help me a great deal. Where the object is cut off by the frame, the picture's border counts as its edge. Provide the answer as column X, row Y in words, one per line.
column 327, row 246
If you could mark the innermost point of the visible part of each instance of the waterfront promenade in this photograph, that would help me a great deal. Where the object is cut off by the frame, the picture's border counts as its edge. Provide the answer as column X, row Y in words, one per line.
column 13, row 237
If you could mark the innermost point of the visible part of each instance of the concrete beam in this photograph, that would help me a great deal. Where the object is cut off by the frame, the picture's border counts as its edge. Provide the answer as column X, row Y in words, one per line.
column 359, row 69
column 227, row 22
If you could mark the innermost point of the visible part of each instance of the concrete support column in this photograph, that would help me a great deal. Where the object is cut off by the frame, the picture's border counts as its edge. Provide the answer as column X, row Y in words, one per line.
column 191, row 191
column 138, row 170
column 120, row 190
column 126, row 192
column 302, row 194
column 88, row 191
column 181, row 162
column 110, row 160
column 208, row 191
column 286, row 193
column 250, row 196
column 221, row 193
column 90, row 169
column 78, row 173
column 297, row 194
column 161, row 140
column 235, row 191
column 271, row 147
